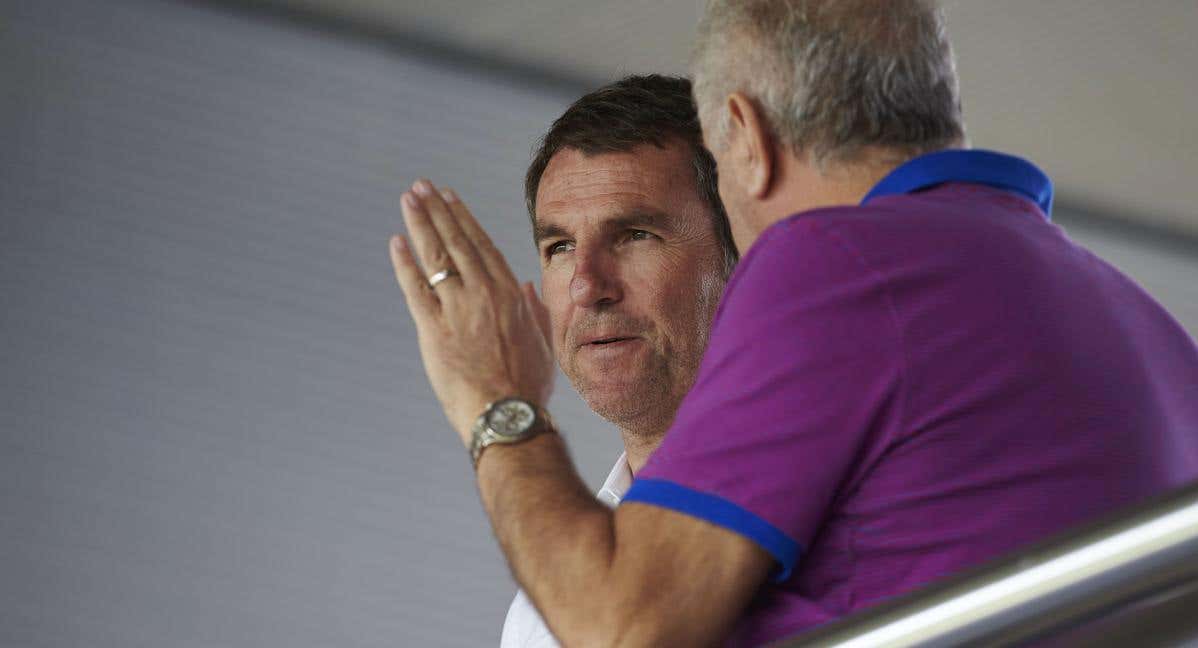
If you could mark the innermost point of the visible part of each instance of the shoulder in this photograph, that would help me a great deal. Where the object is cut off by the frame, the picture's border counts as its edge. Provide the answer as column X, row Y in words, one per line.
column 818, row 248
column 813, row 236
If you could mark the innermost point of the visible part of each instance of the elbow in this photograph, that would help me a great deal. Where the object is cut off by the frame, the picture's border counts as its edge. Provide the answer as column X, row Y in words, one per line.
column 624, row 627
column 609, row 633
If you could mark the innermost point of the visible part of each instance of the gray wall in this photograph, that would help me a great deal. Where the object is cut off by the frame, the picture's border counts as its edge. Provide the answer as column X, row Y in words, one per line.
column 215, row 429
column 214, row 426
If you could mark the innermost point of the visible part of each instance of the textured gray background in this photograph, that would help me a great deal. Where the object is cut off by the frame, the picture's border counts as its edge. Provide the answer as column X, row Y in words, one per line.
column 214, row 426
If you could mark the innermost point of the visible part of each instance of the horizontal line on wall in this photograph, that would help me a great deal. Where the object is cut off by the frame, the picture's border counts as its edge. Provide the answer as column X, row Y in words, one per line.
column 420, row 46
column 450, row 55
column 1073, row 210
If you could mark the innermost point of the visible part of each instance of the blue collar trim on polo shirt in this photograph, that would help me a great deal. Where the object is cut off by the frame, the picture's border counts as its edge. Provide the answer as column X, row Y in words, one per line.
column 973, row 165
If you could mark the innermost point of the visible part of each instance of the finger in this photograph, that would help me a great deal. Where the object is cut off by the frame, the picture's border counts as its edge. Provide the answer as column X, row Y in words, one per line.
column 460, row 247
column 539, row 312
column 490, row 255
column 422, row 303
column 430, row 254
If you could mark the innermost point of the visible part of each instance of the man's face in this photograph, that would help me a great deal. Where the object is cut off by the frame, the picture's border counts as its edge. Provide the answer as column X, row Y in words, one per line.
column 631, row 273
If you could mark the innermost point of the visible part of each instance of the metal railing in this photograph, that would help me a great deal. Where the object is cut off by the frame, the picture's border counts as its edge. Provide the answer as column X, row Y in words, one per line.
column 1140, row 568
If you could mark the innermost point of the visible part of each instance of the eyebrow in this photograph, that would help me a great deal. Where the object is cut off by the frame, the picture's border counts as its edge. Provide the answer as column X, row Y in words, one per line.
column 541, row 232
column 633, row 219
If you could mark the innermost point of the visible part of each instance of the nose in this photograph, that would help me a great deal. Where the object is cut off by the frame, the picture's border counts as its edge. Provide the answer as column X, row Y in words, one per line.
column 596, row 281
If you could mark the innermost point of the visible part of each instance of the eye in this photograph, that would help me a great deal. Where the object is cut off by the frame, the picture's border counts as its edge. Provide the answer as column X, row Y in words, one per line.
column 639, row 235
column 559, row 246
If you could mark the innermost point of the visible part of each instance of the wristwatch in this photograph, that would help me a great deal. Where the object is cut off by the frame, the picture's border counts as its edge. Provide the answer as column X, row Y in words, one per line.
column 508, row 420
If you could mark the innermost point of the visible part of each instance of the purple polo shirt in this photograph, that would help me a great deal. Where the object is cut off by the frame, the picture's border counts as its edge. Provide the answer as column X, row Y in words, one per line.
column 902, row 389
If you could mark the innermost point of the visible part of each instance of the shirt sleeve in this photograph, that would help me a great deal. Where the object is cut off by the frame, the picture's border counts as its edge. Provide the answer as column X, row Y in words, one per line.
column 801, row 377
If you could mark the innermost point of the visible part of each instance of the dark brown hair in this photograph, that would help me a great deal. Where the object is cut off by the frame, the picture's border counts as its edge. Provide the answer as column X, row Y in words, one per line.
column 650, row 109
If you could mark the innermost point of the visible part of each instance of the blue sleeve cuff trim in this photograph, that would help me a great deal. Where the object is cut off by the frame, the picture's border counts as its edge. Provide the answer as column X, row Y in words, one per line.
column 720, row 511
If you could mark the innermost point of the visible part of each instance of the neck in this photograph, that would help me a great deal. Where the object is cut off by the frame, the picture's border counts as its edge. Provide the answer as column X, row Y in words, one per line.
column 639, row 443
column 803, row 185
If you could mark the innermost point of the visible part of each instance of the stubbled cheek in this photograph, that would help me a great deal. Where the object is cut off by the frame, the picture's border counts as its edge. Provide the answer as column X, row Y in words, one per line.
column 557, row 334
column 556, row 300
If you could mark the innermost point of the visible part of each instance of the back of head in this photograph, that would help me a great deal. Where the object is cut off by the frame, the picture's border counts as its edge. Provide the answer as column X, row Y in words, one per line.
column 652, row 109
column 832, row 77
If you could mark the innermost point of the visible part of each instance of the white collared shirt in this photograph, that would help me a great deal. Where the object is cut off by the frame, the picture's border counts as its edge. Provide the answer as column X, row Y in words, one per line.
column 524, row 627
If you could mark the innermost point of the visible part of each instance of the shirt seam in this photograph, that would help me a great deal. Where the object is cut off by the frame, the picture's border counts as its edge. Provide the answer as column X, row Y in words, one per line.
column 900, row 337
column 832, row 234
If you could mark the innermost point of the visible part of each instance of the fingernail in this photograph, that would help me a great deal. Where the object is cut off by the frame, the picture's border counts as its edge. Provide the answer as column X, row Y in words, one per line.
column 397, row 242
column 449, row 195
column 409, row 201
column 423, row 187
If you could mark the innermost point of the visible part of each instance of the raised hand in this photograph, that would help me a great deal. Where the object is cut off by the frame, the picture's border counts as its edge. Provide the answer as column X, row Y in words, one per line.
column 482, row 335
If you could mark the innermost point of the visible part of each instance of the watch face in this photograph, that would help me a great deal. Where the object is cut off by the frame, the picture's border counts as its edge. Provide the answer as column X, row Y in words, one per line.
column 511, row 417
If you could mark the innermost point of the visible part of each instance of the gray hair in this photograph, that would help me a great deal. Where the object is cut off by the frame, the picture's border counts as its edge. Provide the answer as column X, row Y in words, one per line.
column 832, row 77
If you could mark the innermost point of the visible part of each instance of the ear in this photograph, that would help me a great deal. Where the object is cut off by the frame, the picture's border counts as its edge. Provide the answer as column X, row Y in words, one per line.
column 751, row 146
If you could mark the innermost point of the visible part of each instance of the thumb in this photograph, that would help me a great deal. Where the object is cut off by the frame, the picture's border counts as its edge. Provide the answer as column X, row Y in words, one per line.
column 539, row 311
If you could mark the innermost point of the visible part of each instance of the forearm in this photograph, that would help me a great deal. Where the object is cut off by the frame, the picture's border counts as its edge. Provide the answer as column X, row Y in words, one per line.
column 558, row 539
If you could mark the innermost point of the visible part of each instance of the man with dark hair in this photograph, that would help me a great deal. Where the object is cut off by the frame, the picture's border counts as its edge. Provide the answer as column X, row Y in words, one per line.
column 912, row 370
column 637, row 110
column 635, row 249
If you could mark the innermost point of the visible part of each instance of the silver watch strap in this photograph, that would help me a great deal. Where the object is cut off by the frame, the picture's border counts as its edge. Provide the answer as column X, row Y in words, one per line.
column 479, row 434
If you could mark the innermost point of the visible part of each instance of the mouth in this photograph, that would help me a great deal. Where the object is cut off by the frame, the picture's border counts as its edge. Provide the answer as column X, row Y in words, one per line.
column 606, row 341
column 611, row 355
column 609, row 340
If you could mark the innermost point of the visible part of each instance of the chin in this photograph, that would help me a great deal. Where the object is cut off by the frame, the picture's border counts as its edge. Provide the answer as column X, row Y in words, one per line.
column 620, row 413
column 624, row 402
